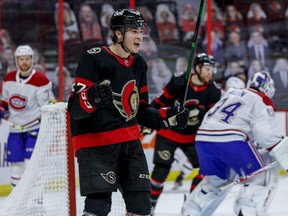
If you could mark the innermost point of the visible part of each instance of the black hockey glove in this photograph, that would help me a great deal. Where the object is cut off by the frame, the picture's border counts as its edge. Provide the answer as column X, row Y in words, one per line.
column 173, row 117
column 100, row 95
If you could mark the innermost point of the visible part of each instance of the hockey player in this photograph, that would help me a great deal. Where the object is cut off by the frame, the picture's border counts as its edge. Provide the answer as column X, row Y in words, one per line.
column 108, row 100
column 202, row 94
column 24, row 92
column 223, row 142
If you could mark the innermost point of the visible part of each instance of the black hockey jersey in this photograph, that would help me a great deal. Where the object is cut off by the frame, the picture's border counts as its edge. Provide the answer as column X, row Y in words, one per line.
column 92, row 126
column 200, row 97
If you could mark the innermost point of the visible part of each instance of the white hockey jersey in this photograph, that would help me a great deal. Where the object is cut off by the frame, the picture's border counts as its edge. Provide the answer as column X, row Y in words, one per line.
column 25, row 97
column 242, row 114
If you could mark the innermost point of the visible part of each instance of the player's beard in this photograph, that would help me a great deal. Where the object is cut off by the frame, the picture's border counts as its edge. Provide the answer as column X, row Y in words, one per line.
column 25, row 70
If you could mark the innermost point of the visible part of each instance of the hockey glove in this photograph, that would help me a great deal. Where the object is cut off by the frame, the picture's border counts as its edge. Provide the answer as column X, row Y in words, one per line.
column 173, row 117
column 2, row 113
column 100, row 95
column 196, row 114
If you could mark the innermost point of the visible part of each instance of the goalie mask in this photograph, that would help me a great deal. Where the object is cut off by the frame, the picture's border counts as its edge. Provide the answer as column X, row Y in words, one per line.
column 262, row 82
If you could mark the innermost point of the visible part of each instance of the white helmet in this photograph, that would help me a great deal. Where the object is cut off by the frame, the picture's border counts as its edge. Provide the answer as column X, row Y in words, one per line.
column 262, row 81
column 24, row 50
column 234, row 82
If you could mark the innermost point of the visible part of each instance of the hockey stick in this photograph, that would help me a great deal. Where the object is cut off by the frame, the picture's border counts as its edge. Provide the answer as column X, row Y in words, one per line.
column 193, row 46
column 249, row 176
column 18, row 127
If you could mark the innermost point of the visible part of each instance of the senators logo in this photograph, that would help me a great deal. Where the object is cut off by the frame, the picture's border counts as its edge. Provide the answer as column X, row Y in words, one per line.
column 128, row 101
column 18, row 102
column 109, row 177
column 165, row 155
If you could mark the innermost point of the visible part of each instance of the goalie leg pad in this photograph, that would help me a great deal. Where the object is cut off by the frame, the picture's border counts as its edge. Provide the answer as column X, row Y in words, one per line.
column 280, row 152
column 255, row 197
column 17, row 170
column 205, row 198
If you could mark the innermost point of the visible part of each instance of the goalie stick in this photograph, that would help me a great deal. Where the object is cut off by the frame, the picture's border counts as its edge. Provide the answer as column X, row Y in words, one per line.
column 18, row 127
column 193, row 47
column 249, row 176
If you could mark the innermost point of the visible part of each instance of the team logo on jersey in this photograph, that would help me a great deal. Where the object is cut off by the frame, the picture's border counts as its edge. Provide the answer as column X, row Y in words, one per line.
column 94, row 50
column 128, row 101
column 165, row 155
column 109, row 177
column 18, row 102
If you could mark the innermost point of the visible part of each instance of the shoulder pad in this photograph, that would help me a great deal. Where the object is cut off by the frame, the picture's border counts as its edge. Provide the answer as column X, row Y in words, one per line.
column 178, row 74
column 94, row 50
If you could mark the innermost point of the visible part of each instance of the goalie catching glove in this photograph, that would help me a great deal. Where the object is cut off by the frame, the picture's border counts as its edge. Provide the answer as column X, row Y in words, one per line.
column 100, row 95
column 174, row 117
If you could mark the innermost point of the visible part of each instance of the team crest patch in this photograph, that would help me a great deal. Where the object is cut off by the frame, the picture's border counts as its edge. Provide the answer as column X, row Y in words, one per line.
column 94, row 50
column 109, row 177
column 165, row 155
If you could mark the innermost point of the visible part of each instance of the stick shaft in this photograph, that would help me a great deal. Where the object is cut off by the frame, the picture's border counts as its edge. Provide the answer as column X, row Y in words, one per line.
column 193, row 46
column 249, row 176
column 18, row 127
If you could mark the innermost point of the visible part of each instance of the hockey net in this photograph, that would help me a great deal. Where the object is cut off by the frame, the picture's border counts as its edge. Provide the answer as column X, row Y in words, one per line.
column 49, row 185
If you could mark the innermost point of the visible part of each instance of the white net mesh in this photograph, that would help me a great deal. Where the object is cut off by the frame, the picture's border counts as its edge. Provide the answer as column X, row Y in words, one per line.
column 44, row 187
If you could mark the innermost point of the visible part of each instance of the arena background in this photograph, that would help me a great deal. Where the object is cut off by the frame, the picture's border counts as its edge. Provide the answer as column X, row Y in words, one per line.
column 59, row 45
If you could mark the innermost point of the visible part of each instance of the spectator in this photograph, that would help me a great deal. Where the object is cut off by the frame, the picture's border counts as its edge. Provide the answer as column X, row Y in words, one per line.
column 71, row 30
column 8, row 61
column 257, row 18
column 217, row 48
column 89, row 24
column 188, row 21
column 166, row 24
column 233, row 19
column 5, row 41
column 148, row 49
column 255, row 67
column 160, row 74
column 232, row 69
column 280, row 77
column 236, row 49
column 106, row 12
column 148, row 16
column 181, row 64
column 258, row 48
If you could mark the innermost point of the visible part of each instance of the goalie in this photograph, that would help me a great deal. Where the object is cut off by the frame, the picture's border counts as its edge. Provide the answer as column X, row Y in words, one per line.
column 223, row 143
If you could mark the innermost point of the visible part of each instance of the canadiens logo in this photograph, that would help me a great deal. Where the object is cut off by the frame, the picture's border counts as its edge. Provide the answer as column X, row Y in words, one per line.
column 18, row 102
column 128, row 101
